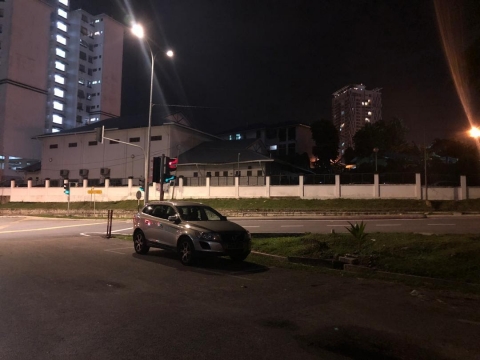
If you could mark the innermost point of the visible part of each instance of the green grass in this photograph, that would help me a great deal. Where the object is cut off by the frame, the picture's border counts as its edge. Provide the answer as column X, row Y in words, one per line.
column 280, row 204
column 448, row 257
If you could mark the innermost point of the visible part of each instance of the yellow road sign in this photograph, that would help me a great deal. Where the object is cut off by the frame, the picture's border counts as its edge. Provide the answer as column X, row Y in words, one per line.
column 94, row 191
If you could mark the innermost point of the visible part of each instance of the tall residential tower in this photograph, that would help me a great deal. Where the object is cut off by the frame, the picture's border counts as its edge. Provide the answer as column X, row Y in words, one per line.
column 352, row 107
column 59, row 69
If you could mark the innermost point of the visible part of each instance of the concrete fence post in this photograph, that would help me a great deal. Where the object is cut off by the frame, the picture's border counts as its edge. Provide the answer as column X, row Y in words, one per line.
column 338, row 190
column 29, row 183
column 12, row 183
column 207, row 184
column 463, row 188
column 84, row 183
column 267, row 187
column 301, row 188
column 237, row 190
column 47, row 183
column 376, row 185
column 107, row 183
column 418, row 187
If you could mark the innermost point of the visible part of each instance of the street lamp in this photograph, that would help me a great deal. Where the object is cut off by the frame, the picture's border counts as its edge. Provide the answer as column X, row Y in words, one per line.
column 138, row 31
column 375, row 150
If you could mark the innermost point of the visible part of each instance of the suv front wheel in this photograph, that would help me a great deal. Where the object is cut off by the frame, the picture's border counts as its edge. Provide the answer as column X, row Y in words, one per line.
column 186, row 251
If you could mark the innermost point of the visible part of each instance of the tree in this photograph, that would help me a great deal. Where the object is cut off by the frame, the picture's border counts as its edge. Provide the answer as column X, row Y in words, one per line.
column 326, row 140
column 386, row 136
column 455, row 157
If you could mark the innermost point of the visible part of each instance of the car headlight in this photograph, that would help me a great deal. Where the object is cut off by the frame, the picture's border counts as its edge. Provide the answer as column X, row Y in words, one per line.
column 208, row 236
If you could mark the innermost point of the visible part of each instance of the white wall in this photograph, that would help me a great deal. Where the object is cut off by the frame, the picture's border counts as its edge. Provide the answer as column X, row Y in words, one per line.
column 40, row 194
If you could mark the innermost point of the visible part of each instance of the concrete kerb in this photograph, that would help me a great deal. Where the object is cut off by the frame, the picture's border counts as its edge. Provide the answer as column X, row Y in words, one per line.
column 338, row 265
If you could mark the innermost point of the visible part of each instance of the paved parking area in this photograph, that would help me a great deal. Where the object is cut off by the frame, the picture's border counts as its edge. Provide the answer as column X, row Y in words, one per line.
column 94, row 298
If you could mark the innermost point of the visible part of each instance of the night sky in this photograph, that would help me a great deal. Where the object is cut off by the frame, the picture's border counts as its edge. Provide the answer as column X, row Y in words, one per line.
column 248, row 61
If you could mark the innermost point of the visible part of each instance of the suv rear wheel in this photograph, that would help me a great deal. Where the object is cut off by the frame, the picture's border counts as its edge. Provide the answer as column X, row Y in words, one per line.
column 140, row 243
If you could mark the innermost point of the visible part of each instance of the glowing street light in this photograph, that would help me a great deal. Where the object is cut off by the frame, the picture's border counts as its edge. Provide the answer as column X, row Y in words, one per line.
column 474, row 132
column 138, row 31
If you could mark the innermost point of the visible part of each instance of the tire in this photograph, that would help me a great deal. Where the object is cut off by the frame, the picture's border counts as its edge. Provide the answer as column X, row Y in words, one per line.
column 239, row 257
column 186, row 251
column 140, row 243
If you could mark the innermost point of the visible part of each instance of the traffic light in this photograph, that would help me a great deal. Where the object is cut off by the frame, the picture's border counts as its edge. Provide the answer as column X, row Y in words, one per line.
column 142, row 184
column 157, row 169
column 170, row 165
column 66, row 188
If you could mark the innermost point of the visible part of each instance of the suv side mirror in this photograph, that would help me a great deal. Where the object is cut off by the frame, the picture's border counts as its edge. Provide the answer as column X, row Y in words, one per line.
column 174, row 218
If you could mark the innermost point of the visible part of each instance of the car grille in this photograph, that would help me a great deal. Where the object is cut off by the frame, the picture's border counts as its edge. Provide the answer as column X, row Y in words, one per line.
column 233, row 236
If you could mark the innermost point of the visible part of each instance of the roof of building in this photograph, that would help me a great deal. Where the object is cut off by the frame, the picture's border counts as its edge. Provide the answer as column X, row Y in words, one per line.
column 129, row 122
column 223, row 152
column 259, row 126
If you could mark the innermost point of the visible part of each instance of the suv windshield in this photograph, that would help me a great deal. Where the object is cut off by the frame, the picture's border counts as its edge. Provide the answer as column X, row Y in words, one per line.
column 198, row 213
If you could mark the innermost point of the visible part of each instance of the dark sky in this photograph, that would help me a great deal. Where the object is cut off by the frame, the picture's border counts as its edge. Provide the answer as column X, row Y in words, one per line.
column 248, row 61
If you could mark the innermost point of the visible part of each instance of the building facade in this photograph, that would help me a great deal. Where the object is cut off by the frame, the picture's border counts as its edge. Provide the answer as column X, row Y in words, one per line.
column 280, row 139
column 58, row 70
column 76, row 155
column 354, row 106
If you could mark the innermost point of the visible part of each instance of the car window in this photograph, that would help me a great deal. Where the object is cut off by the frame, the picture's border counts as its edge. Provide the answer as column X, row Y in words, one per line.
column 148, row 210
column 198, row 213
column 212, row 215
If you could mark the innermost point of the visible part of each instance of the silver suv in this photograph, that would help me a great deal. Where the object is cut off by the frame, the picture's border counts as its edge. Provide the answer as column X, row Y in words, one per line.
column 189, row 228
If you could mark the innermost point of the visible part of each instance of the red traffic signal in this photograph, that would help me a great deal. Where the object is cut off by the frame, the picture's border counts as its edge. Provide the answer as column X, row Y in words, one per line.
column 172, row 164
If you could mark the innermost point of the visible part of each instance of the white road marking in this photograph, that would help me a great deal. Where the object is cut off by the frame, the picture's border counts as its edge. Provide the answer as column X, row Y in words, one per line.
column 117, row 252
column 43, row 229
column 130, row 228
column 83, row 234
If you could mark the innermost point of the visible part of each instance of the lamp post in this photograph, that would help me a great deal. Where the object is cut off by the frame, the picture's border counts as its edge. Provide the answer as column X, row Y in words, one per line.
column 138, row 31
column 375, row 150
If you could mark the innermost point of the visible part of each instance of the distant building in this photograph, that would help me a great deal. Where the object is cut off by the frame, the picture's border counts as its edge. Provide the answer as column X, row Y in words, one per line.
column 58, row 70
column 280, row 139
column 75, row 154
column 352, row 107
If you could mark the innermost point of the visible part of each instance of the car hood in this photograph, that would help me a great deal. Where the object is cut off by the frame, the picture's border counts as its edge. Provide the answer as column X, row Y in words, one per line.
column 216, row 226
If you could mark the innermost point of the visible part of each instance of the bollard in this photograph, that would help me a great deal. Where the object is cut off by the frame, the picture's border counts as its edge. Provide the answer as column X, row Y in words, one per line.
column 109, row 223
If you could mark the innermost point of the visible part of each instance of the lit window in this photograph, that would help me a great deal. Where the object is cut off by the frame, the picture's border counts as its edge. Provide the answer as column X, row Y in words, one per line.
column 60, row 53
column 59, row 92
column 57, row 119
column 61, row 26
column 238, row 136
column 57, row 105
column 59, row 66
column 273, row 147
column 369, row 113
column 367, row 119
column 97, row 21
column 64, row 2
column 92, row 119
column 62, row 13
column 62, row 39
column 55, row 130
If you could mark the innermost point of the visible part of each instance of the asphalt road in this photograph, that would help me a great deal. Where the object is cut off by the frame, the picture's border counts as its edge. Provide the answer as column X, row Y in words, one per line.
column 21, row 227
column 87, row 297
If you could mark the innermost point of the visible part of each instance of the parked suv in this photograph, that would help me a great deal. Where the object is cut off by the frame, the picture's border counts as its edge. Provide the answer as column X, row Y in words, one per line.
column 189, row 228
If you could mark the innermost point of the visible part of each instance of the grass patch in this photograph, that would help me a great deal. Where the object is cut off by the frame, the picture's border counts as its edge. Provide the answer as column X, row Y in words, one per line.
column 280, row 204
column 449, row 257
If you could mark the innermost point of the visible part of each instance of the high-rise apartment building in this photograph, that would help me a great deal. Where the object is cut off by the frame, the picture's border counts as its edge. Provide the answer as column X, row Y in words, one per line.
column 59, row 69
column 352, row 107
